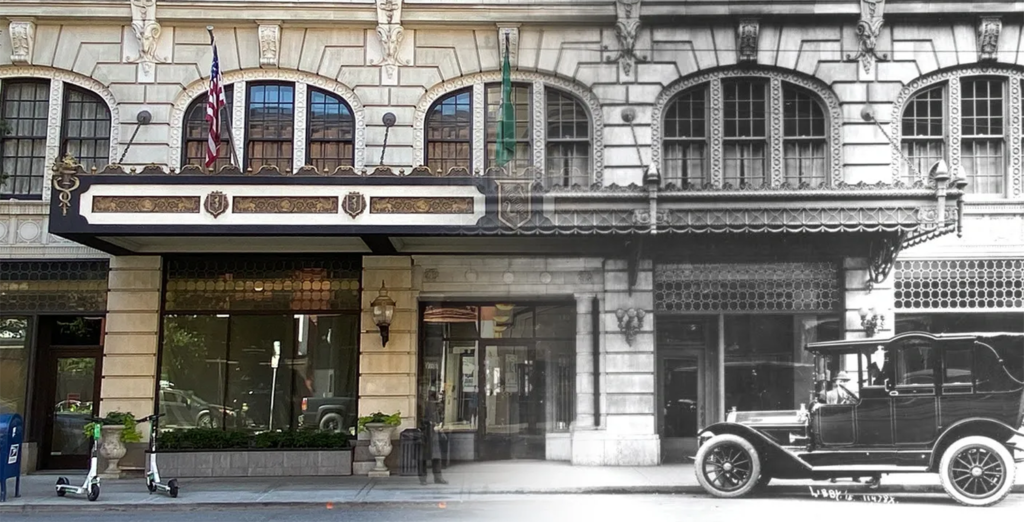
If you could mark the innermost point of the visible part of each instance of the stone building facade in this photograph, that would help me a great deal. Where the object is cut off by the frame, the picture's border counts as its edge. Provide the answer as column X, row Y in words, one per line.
column 698, row 175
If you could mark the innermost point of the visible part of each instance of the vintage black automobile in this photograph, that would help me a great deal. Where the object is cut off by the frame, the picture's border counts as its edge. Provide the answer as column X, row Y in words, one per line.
column 951, row 404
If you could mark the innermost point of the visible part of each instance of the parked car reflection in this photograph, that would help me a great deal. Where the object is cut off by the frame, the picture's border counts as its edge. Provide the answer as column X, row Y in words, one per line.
column 184, row 409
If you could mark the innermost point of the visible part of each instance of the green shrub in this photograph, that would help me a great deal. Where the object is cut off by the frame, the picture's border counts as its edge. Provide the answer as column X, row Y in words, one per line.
column 213, row 439
column 129, row 427
column 379, row 418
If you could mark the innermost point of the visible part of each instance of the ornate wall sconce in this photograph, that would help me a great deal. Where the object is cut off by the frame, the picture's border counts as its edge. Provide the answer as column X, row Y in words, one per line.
column 631, row 321
column 871, row 320
column 383, row 312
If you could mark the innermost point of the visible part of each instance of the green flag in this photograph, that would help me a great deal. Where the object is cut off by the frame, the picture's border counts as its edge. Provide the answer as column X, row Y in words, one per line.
column 505, row 149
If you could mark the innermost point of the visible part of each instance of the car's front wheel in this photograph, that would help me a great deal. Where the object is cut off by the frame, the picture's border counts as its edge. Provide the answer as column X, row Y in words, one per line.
column 727, row 466
column 331, row 422
column 977, row 471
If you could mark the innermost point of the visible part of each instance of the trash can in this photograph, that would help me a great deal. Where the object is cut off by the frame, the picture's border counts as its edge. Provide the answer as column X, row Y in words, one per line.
column 411, row 441
column 12, row 435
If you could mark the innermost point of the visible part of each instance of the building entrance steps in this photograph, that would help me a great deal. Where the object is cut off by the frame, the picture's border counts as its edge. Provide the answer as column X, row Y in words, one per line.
column 466, row 482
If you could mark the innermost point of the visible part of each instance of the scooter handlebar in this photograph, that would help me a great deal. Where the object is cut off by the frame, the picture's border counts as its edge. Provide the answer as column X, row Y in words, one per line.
column 152, row 417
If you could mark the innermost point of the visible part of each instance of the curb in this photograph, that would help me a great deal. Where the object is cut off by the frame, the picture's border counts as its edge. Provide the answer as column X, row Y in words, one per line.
column 797, row 492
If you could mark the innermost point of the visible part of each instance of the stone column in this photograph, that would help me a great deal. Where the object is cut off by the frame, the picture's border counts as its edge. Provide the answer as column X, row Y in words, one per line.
column 387, row 374
column 130, row 342
column 584, row 362
column 858, row 295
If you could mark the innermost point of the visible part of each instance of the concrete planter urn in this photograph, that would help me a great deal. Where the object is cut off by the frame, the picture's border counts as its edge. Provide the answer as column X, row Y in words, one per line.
column 380, row 446
column 111, row 448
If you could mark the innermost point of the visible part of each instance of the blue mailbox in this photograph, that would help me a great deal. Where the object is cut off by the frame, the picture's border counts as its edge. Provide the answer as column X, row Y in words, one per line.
column 12, row 435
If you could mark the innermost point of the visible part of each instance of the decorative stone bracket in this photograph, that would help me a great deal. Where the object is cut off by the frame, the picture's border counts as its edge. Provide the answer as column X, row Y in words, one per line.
column 627, row 28
column 270, row 43
column 989, row 28
column 23, row 35
column 868, row 29
column 391, row 33
column 147, row 32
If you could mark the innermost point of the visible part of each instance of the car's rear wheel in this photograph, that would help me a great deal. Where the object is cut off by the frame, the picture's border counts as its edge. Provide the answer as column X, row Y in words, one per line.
column 331, row 422
column 728, row 466
column 977, row 471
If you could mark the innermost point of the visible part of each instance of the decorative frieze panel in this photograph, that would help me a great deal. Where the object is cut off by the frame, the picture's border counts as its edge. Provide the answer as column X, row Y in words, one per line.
column 714, row 80
column 402, row 205
column 284, row 205
column 238, row 80
column 152, row 204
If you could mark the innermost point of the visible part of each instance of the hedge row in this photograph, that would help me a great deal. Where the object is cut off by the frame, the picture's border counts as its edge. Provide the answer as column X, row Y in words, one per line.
column 211, row 439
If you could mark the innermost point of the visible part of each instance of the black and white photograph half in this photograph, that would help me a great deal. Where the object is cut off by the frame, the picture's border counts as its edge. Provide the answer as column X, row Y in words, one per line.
column 505, row 260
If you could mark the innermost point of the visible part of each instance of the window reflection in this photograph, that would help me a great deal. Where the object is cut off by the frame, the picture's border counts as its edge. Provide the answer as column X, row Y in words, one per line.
column 14, row 351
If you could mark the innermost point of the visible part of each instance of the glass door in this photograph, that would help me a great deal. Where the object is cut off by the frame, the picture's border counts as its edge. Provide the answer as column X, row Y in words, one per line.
column 75, row 393
column 682, row 406
column 515, row 388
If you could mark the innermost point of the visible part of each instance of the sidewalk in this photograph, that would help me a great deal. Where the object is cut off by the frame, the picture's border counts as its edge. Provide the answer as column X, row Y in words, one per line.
column 467, row 482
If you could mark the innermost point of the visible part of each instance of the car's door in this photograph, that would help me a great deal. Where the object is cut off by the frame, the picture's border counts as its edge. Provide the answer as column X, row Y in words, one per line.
column 913, row 391
column 873, row 414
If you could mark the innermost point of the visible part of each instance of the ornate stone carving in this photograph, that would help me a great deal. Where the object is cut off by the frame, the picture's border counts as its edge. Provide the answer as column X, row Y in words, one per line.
column 477, row 82
column 299, row 137
column 270, row 43
column 989, row 28
column 23, row 36
column 514, row 203
column 511, row 32
column 147, row 32
column 353, row 204
column 746, row 39
column 66, row 180
column 284, row 205
column 237, row 79
column 822, row 91
column 146, row 204
column 216, row 203
column 868, row 29
column 391, row 33
column 627, row 28
column 420, row 205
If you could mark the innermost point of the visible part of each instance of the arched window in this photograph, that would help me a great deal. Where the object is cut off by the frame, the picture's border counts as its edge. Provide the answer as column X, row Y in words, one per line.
column 568, row 141
column 270, row 125
column 765, row 132
column 976, row 141
column 685, row 148
column 449, row 127
column 331, row 132
column 24, row 108
column 924, row 131
column 197, row 130
column 805, row 139
column 522, row 160
column 85, row 133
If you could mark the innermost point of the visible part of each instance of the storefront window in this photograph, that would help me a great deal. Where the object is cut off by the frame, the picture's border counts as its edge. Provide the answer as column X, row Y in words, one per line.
column 766, row 366
column 14, row 352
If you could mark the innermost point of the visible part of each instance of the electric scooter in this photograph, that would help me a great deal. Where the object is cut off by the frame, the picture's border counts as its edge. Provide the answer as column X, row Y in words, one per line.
column 91, row 487
column 153, row 482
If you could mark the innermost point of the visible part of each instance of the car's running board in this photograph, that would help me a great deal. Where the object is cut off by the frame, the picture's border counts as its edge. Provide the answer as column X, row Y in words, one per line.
column 876, row 468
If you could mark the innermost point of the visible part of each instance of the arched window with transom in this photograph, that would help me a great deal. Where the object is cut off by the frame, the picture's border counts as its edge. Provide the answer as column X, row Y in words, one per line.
column 975, row 144
column 24, row 109
column 331, row 132
column 449, row 129
column 568, row 146
column 520, row 162
column 758, row 130
column 197, row 132
column 85, row 133
column 270, row 125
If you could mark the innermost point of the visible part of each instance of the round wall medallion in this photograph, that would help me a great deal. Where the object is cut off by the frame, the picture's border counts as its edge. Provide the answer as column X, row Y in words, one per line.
column 430, row 275
column 3, row 231
column 545, row 278
column 471, row 275
column 508, row 278
column 29, row 231
column 585, row 277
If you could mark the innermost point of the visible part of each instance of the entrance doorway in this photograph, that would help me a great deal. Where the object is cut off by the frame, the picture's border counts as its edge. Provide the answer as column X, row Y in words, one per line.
column 68, row 388
column 515, row 390
column 682, row 347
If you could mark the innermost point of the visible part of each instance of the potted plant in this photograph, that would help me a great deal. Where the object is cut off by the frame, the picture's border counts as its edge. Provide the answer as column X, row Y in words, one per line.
column 380, row 426
column 117, row 429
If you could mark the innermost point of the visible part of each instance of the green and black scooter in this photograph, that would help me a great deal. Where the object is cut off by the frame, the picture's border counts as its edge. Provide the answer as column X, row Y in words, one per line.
column 91, row 487
column 153, row 481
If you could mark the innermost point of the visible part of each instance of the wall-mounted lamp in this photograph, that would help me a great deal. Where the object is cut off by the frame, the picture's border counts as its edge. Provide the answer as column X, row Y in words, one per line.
column 871, row 320
column 383, row 312
column 631, row 321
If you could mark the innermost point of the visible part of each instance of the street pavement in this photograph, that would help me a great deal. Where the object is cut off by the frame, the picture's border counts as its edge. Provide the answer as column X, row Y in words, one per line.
column 557, row 508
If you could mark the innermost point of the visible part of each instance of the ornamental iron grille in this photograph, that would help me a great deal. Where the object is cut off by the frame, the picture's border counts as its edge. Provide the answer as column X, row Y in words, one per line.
column 53, row 286
column 747, row 287
column 262, row 284
column 956, row 284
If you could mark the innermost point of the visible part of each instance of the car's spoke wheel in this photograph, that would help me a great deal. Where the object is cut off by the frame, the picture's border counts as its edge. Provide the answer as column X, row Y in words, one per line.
column 727, row 466
column 977, row 471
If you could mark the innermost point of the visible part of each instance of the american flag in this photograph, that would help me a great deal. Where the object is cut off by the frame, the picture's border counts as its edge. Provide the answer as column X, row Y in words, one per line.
column 214, row 103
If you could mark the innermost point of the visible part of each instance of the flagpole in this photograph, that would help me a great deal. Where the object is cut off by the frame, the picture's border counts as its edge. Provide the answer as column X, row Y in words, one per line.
column 226, row 114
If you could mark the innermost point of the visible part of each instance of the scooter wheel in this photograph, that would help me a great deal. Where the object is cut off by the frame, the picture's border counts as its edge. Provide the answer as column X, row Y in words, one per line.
column 62, row 481
column 172, row 488
column 150, row 486
column 94, row 492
